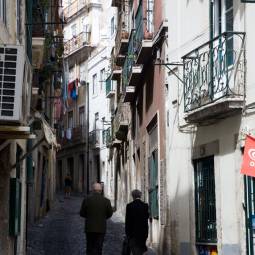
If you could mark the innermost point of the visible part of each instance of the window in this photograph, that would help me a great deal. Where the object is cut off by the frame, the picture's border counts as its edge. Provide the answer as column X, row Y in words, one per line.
column 153, row 172
column 82, row 116
column 94, row 84
column 112, row 26
column 70, row 119
column 153, row 184
column 229, row 25
column 97, row 130
column 96, row 120
column 104, row 133
column 205, row 206
column 73, row 30
column 102, row 78
column 3, row 10
column 150, row 16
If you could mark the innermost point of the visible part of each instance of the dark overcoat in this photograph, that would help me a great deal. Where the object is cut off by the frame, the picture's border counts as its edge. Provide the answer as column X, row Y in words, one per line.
column 96, row 209
column 136, row 223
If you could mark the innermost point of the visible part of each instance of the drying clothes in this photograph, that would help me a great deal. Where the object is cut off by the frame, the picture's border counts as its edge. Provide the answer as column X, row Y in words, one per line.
column 73, row 89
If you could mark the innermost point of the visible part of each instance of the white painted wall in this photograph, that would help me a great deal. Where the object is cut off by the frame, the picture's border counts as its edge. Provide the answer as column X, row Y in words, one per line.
column 98, row 102
column 189, row 28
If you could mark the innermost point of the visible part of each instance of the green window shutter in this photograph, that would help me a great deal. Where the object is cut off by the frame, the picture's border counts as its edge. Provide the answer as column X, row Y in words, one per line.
column 153, row 179
column 15, row 207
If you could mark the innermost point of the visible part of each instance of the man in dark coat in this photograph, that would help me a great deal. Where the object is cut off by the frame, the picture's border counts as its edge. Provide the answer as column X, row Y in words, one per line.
column 136, row 224
column 96, row 209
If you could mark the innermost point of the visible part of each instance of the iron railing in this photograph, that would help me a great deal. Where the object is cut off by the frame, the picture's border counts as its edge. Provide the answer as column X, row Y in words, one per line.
column 108, row 86
column 139, row 25
column 121, row 117
column 77, row 42
column 130, row 59
column 144, row 26
column 72, row 135
column 74, row 8
column 122, row 33
column 214, row 70
column 107, row 136
column 94, row 138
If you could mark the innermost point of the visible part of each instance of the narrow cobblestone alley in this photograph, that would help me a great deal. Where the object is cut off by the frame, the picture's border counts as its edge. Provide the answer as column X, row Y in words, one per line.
column 61, row 232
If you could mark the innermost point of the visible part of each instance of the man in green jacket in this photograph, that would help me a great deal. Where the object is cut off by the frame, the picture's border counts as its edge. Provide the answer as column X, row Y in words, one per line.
column 96, row 209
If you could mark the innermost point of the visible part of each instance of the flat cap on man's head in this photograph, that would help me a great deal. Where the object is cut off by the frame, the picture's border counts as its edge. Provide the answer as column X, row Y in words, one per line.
column 136, row 193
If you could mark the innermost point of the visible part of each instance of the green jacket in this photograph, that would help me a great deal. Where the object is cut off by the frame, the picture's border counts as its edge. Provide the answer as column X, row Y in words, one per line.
column 96, row 209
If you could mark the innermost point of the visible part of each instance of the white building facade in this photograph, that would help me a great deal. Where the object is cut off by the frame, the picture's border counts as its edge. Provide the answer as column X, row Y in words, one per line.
column 99, row 104
column 88, row 37
column 210, row 110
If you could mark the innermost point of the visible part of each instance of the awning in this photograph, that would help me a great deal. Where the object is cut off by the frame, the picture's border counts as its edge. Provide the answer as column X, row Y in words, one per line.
column 48, row 132
column 47, row 136
column 15, row 132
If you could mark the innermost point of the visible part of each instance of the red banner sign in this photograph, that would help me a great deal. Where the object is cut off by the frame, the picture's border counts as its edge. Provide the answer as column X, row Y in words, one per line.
column 248, row 166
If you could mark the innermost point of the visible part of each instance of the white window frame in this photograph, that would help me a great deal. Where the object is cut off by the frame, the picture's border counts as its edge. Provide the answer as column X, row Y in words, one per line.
column 94, row 84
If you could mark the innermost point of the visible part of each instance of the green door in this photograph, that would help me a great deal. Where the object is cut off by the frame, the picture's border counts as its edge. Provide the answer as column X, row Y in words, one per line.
column 249, row 185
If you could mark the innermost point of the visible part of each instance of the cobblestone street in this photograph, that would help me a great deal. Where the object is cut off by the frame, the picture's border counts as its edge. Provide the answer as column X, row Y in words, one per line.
column 61, row 232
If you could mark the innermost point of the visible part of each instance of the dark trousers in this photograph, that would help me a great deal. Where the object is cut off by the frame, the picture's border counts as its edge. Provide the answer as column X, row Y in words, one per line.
column 94, row 243
column 137, row 247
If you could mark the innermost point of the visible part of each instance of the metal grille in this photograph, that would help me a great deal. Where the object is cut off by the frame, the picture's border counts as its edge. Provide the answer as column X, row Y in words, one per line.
column 8, row 65
column 205, row 207
column 249, row 185
column 214, row 70
column 153, row 185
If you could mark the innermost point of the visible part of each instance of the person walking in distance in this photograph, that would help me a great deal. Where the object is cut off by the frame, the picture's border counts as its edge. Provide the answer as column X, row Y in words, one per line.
column 136, row 223
column 96, row 209
column 68, row 185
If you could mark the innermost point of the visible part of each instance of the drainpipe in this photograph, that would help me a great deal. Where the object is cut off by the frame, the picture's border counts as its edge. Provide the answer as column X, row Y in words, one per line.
column 87, row 87
column 29, row 184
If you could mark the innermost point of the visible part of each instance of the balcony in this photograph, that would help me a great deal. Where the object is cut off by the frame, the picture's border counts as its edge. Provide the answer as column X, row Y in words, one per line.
column 121, row 41
column 143, row 35
column 107, row 136
column 131, row 71
column 116, row 3
column 109, row 88
column 121, row 121
column 213, row 77
column 116, row 70
column 77, row 43
column 94, row 139
column 72, row 136
column 74, row 8
column 38, row 34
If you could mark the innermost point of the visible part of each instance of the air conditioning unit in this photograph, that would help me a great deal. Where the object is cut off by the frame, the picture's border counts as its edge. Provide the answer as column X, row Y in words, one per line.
column 12, row 63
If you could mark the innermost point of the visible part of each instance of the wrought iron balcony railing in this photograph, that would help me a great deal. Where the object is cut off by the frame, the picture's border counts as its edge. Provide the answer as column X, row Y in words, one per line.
column 121, row 121
column 109, row 88
column 214, row 70
column 130, row 59
column 122, row 35
column 143, row 25
column 72, row 135
column 74, row 8
column 94, row 138
column 77, row 42
column 107, row 136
